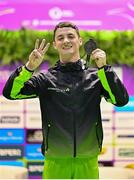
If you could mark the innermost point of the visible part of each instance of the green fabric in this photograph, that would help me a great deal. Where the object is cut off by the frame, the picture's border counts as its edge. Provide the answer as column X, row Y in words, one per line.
column 104, row 82
column 71, row 168
column 18, row 83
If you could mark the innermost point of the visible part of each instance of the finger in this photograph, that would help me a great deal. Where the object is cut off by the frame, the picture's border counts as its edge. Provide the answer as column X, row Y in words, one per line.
column 42, row 44
column 46, row 47
column 98, row 57
column 99, row 54
column 37, row 44
column 96, row 50
column 95, row 58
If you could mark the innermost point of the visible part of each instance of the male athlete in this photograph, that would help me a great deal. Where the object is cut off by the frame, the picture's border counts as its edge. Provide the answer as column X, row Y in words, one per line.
column 70, row 96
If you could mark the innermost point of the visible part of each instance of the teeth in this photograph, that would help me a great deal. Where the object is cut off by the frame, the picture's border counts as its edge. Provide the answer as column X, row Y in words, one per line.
column 67, row 47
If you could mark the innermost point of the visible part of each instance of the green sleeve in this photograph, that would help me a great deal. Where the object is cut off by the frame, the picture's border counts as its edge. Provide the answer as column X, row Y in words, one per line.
column 105, row 84
column 21, row 85
column 18, row 84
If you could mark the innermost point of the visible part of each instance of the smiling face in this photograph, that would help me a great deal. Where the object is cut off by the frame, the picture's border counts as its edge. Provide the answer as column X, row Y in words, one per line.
column 67, row 42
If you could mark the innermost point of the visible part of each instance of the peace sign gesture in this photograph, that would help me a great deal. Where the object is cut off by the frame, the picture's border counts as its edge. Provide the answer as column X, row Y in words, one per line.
column 37, row 55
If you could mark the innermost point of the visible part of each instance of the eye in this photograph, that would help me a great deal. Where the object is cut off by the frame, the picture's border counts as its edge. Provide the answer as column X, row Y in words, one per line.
column 71, row 36
column 60, row 38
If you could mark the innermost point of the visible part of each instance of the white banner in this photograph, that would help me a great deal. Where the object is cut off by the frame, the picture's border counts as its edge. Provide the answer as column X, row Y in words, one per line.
column 11, row 120
column 33, row 120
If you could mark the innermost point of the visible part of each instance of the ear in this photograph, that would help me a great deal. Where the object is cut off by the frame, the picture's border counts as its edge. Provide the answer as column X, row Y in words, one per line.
column 81, row 41
column 54, row 45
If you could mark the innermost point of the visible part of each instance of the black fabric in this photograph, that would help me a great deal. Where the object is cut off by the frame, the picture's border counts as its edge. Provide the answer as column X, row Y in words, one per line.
column 70, row 99
column 68, row 67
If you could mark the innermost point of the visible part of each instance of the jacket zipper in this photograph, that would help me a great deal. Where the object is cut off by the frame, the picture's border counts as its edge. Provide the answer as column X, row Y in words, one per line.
column 74, row 135
column 74, row 123
column 47, row 136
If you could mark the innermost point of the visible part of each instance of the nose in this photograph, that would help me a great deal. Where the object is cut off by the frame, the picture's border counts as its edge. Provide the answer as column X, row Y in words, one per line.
column 66, row 40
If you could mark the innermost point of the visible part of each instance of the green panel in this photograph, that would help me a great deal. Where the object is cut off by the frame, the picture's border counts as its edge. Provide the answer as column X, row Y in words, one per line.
column 104, row 82
column 18, row 84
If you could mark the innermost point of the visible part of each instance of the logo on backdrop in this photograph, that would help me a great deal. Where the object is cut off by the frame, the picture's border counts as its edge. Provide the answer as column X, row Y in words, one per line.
column 34, row 136
column 10, row 119
column 11, row 136
column 126, row 152
column 33, row 152
column 11, row 152
column 35, row 168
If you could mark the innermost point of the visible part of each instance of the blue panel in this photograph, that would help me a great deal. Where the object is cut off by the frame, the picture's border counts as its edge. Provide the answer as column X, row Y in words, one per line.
column 11, row 136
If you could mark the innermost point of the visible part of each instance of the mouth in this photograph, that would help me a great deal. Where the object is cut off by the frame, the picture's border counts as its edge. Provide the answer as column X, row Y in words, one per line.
column 67, row 47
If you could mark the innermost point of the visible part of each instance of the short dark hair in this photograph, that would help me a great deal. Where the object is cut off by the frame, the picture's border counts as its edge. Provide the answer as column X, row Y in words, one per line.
column 66, row 24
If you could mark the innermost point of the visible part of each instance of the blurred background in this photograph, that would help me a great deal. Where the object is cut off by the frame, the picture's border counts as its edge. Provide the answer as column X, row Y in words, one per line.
column 111, row 24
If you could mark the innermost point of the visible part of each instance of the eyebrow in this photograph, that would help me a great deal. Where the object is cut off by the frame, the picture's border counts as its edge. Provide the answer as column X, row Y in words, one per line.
column 61, row 35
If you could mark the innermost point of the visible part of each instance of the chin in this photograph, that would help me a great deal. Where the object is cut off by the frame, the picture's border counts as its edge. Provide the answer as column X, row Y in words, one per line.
column 68, row 53
column 71, row 50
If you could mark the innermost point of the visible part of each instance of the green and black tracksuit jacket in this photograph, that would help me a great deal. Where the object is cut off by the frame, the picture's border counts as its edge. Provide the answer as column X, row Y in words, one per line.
column 70, row 97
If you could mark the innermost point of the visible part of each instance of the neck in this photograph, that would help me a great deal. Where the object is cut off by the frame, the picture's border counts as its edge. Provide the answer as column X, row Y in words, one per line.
column 67, row 59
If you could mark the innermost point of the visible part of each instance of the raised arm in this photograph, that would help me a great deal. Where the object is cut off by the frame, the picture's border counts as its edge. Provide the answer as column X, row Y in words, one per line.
column 22, row 84
column 113, row 89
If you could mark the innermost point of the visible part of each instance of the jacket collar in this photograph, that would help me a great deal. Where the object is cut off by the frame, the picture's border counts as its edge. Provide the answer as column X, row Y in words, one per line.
column 71, row 66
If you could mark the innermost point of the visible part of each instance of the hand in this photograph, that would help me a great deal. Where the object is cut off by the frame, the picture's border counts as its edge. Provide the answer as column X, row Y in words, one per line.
column 99, row 56
column 37, row 55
